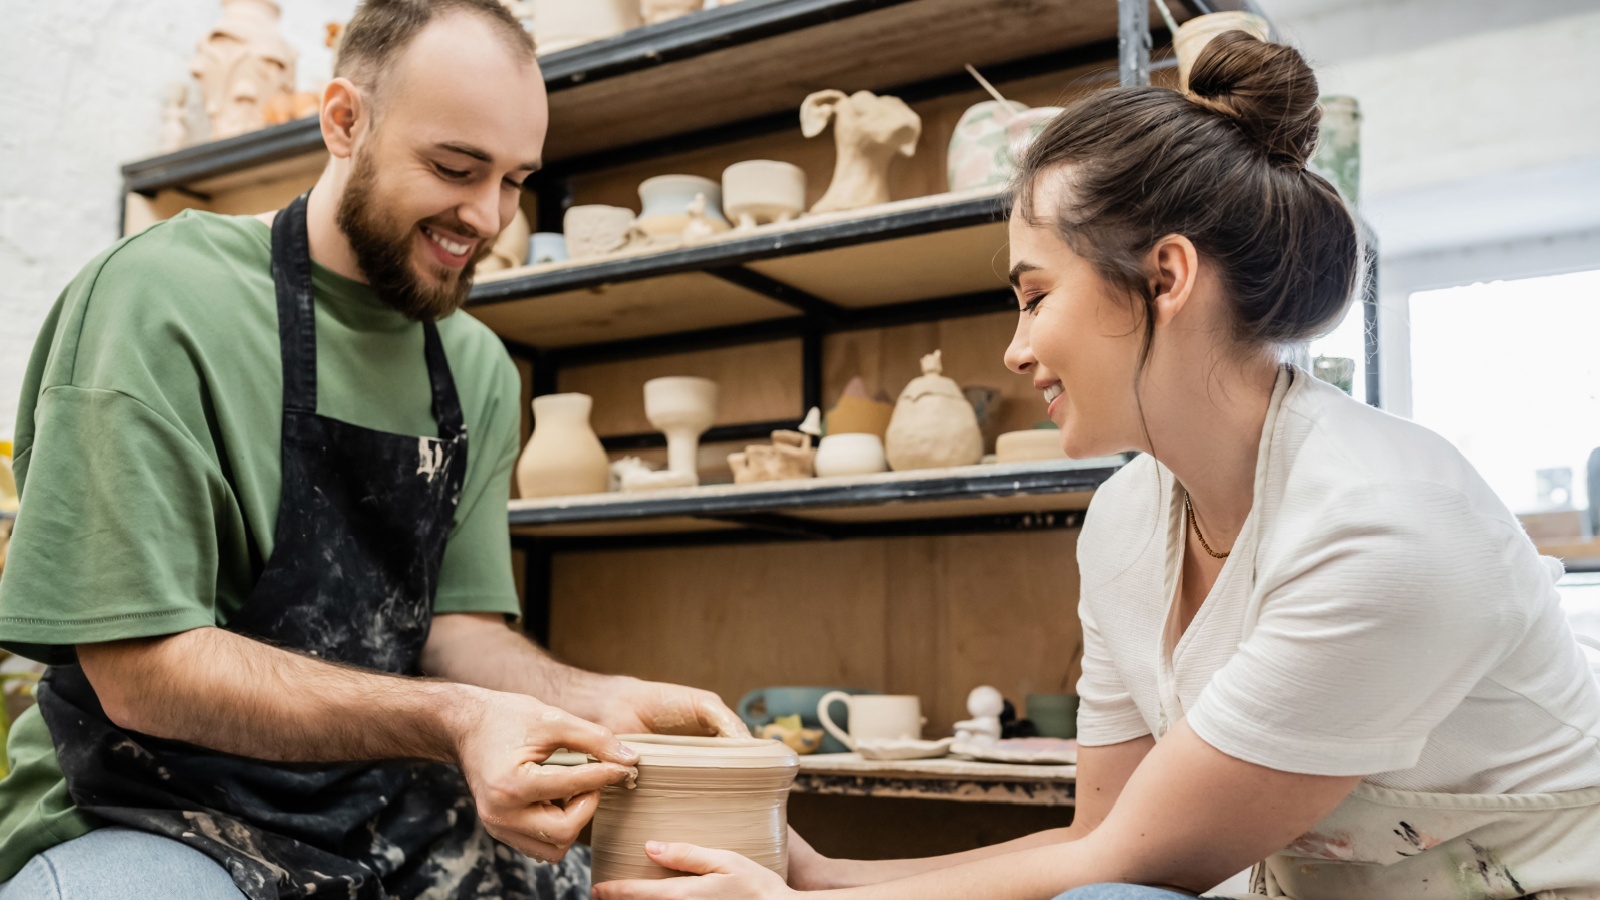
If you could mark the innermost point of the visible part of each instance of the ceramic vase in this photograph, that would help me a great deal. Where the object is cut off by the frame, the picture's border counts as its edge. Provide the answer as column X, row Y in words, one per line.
column 243, row 65
column 1195, row 34
column 564, row 24
column 934, row 426
column 564, row 456
column 682, row 408
column 850, row 454
column 763, row 191
column 980, row 148
column 667, row 202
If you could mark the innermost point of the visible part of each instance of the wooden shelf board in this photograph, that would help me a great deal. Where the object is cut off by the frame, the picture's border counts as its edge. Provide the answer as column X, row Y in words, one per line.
column 939, row 264
column 848, row 774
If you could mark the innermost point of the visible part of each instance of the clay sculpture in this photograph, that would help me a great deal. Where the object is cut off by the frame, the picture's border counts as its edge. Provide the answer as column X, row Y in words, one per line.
column 510, row 248
column 175, row 118
column 933, row 427
column 789, row 457
column 564, row 456
column 656, row 11
column 763, row 191
column 632, row 475
column 722, row 793
column 243, row 64
column 682, row 408
column 869, row 131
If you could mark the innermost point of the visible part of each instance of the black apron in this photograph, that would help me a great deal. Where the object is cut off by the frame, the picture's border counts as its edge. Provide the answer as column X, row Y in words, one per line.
column 362, row 523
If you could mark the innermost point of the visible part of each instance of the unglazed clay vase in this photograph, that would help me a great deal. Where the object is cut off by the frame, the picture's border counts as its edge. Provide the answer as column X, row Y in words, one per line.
column 840, row 455
column 669, row 199
column 596, row 230
column 564, row 456
column 1195, row 34
column 243, row 65
column 869, row 131
column 721, row 793
column 682, row 408
column 564, row 24
column 510, row 248
column 934, row 427
column 980, row 148
column 763, row 191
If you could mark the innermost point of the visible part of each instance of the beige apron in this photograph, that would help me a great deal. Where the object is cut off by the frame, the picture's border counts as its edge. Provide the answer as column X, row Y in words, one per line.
column 1383, row 844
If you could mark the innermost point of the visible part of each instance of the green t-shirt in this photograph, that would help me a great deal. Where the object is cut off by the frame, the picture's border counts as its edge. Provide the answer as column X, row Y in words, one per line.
column 147, row 453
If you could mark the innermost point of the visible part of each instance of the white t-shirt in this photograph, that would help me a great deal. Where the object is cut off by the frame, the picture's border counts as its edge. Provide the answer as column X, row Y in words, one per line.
column 1405, row 627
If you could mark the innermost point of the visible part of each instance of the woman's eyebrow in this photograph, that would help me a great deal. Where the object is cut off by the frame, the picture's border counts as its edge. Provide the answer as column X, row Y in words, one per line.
column 1019, row 270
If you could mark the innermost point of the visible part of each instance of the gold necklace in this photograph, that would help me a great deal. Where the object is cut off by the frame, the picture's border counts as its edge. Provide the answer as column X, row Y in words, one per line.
column 1189, row 507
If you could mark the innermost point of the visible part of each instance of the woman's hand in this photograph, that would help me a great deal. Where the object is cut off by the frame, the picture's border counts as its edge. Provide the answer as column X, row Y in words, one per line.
column 724, row 875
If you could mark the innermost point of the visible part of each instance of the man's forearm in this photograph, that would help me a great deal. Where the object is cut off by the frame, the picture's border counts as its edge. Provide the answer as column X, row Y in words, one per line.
column 480, row 649
column 217, row 689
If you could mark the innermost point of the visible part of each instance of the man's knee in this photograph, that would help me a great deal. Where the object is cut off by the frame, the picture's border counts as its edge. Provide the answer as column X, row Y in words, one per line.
column 117, row 863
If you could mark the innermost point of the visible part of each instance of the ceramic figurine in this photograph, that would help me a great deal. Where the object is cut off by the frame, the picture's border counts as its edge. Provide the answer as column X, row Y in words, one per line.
column 868, row 132
column 857, row 412
column 656, row 11
column 700, row 226
column 984, row 705
column 564, row 24
column 564, row 456
column 510, row 248
column 850, row 454
column 763, row 191
column 175, row 118
column 682, row 408
column 593, row 231
column 1193, row 36
column 631, row 475
column 243, row 65
column 787, row 458
column 934, row 427
column 667, row 202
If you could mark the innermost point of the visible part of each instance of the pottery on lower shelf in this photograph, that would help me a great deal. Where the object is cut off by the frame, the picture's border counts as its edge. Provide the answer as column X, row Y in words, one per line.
column 631, row 475
column 596, row 230
column 789, row 457
column 1033, row 445
column 763, row 191
column 510, row 248
column 869, row 132
column 668, row 200
column 934, row 426
column 858, row 412
column 850, row 454
column 547, row 247
column 682, row 408
column 564, row 24
column 1193, row 36
column 564, row 456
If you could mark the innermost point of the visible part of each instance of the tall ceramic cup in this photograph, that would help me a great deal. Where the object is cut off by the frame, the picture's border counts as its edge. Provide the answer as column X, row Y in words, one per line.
column 886, row 717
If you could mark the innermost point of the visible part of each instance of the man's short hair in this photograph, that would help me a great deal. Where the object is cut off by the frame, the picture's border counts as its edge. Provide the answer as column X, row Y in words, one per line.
column 381, row 30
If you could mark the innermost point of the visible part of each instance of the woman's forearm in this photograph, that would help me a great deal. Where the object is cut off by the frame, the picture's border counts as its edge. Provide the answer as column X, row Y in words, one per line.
column 846, row 873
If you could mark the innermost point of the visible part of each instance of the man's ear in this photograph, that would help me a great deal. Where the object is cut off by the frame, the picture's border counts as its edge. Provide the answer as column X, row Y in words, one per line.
column 345, row 111
column 1174, row 267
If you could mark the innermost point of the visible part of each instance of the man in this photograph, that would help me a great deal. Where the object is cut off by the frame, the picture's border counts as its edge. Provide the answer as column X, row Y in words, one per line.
column 264, row 470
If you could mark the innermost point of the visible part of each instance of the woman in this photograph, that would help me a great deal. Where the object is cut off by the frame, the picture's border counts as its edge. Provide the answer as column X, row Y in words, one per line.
column 1313, row 635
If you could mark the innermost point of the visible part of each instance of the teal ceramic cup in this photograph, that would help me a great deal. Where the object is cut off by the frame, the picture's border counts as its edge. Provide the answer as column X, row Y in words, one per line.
column 761, row 707
column 1055, row 715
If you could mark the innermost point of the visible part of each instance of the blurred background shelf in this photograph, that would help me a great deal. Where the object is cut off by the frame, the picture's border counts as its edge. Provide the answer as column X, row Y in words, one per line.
column 965, row 781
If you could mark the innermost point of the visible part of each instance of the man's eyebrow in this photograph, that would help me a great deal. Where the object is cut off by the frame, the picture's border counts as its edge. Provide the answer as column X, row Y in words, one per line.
column 480, row 155
column 1019, row 270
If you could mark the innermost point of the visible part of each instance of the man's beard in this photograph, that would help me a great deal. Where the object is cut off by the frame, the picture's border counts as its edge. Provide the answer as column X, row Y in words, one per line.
column 383, row 250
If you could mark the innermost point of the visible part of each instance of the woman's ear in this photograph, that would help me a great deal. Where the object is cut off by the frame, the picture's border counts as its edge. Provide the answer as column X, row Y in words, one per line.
column 1174, row 267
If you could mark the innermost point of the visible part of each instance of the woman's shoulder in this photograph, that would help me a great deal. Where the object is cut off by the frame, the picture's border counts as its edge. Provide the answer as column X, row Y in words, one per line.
column 1124, row 521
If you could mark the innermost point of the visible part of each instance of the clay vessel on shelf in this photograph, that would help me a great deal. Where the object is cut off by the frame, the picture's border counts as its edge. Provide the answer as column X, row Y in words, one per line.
column 563, row 24
column 668, row 200
column 1029, row 446
column 721, row 793
column 934, row 427
column 657, row 11
column 980, row 148
column 1338, row 156
column 510, row 248
column 858, row 412
column 869, row 131
column 564, row 456
column 1195, row 34
column 547, row 247
column 763, row 191
column 682, row 408
column 595, row 230
column 175, row 118
column 787, row 458
column 243, row 64
column 850, row 454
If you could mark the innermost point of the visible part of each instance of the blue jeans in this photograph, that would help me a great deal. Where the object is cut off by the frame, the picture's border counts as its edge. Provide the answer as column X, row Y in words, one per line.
column 119, row 864
column 1099, row 892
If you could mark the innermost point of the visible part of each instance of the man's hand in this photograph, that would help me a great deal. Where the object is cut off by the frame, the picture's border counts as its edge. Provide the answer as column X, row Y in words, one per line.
column 535, row 808
column 631, row 706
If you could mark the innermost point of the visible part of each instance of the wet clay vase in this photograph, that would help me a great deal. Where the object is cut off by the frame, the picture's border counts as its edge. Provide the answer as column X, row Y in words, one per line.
column 1195, row 34
column 564, row 456
column 721, row 793
column 563, row 24
column 869, row 132
column 682, row 408
column 670, row 201
column 934, row 426
column 763, row 191
column 243, row 66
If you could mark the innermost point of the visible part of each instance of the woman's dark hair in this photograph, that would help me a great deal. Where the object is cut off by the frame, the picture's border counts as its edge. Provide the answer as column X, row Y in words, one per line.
column 1224, row 166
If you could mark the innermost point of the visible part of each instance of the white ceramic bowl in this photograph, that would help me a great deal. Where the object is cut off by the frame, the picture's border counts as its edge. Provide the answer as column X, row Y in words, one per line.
column 850, row 454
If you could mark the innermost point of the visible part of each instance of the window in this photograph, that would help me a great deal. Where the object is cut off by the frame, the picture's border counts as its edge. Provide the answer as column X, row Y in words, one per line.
column 1349, row 341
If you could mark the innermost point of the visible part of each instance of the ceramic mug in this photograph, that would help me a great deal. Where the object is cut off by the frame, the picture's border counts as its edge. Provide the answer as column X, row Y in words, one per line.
column 1055, row 715
column 874, row 717
column 760, row 707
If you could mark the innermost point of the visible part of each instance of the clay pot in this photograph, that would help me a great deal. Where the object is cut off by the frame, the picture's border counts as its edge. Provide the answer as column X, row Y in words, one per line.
column 722, row 793
column 564, row 24
column 1029, row 446
column 668, row 200
column 1195, row 34
column 564, row 456
column 850, row 454
column 596, row 230
column 934, row 426
column 682, row 408
column 243, row 66
column 762, row 191
column 980, row 147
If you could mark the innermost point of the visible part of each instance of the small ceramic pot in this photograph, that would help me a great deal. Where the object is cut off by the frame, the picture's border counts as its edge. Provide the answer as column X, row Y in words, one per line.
column 667, row 200
column 564, row 24
column 547, row 247
column 761, row 191
column 596, row 230
column 1195, row 34
column 850, row 454
column 1029, row 446
column 979, row 149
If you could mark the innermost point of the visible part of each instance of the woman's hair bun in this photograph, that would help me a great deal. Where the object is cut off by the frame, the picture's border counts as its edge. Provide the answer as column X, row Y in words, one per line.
column 1267, row 88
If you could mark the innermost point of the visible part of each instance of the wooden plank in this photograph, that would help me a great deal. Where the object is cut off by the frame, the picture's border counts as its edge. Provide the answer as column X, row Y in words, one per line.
column 756, row 382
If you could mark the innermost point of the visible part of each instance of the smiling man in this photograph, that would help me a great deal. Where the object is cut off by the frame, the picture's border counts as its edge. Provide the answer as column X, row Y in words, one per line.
column 264, row 466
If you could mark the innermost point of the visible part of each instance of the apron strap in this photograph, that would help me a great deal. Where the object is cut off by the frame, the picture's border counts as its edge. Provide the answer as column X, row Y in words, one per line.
column 297, row 324
column 446, row 403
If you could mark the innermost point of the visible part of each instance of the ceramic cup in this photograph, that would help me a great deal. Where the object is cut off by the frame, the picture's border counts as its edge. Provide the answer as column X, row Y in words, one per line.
column 760, row 707
column 762, row 191
column 850, row 454
column 547, row 247
column 1055, row 715
column 596, row 230
column 874, row 717
column 667, row 199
